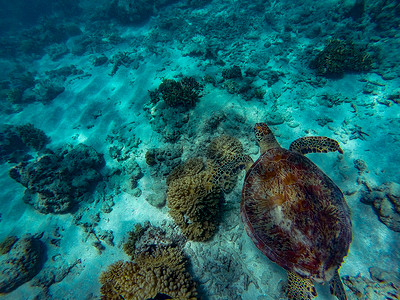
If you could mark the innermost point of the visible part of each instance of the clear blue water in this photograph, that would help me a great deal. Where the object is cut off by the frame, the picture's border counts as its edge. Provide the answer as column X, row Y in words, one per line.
column 118, row 119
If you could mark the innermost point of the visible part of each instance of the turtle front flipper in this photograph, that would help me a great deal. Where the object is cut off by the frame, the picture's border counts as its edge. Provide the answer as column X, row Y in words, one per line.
column 336, row 287
column 315, row 144
column 222, row 175
column 300, row 288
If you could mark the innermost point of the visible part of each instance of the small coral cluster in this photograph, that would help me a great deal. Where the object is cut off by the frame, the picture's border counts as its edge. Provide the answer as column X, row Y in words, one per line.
column 196, row 188
column 339, row 57
column 159, row 269
column 183, row 93
column 56, row 182
column 16, row 141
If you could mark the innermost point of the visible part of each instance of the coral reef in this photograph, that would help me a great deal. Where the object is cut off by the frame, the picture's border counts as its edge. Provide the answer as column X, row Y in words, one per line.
column 195, row 189
column 159, row 268
column 339, row 57
column 133, row 236
column 31, row 136
column 21, row 263
column 182, row 93
column 56, row 182
column 385, row 199
column 193, row 207
column 147, row 238
column 16, row 141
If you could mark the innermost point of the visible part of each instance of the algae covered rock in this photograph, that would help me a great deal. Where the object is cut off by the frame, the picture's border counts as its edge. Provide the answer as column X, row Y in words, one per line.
column 21, row 263
column 339, row 57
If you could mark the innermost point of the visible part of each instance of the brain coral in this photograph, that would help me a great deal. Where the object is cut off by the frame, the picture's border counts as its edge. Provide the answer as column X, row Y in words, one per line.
column 161, row 272
column 21, row 263
column 224, row 148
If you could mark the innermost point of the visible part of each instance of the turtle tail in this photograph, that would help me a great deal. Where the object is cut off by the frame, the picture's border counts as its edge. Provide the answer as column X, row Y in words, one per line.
column 315, row 144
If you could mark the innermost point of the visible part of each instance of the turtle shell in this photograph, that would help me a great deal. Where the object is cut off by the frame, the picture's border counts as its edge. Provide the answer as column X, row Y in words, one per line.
column 296, row 215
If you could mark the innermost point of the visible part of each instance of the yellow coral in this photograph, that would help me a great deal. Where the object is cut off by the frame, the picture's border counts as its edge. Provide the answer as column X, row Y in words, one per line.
column 224, row 148
column 160, row 272
column 195, row 188
column 191, row 167
column 193, row 207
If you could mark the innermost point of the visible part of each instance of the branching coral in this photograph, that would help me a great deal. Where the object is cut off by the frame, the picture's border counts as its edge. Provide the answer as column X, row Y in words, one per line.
column 162, row 271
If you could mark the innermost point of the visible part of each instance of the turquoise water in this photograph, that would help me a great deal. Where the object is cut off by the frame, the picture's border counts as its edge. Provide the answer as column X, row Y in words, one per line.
column 127, row 130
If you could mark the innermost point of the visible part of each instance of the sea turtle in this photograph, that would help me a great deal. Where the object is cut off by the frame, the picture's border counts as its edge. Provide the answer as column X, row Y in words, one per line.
column 295, row 214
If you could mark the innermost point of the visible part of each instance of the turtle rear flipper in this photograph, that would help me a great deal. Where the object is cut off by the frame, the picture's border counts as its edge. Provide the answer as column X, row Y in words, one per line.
column 300, row 288
column 336, row 287
column 315, row 144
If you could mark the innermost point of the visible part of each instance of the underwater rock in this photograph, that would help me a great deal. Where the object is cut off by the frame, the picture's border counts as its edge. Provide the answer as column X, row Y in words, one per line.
column 385, row 200
column 56, row 182
column 21, row 263
column 123, row 143
column 382, row 285
column 54, row 274
column 157, row 200
column 395, row 96
column 56, row 51
column 146, row 238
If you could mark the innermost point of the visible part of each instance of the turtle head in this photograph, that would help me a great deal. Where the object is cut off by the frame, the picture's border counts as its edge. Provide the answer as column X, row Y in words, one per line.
column 265, row 138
